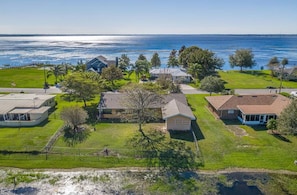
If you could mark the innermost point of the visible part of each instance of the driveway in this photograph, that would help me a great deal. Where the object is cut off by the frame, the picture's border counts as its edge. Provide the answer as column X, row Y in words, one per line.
column 187, row 89
column 51, row 90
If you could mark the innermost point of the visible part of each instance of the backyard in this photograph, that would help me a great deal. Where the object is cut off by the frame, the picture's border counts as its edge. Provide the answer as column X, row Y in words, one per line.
column 219, row 146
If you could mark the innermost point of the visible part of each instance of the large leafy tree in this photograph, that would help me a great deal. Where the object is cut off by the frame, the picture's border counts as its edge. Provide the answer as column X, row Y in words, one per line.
column 80, row 86
column 124, row 62
column 212, row 84
column 139, row 103
column 287, row 121
column 206, row 61
column 172, row 60
column 112, row 73
column 243, row 58
column 155, row 61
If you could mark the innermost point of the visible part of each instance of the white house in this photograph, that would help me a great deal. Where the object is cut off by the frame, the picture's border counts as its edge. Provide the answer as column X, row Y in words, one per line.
column 176, row 74
column 18, row 110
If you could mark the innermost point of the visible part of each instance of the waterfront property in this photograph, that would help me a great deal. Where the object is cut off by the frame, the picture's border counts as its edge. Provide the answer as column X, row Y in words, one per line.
column 176, row 74
column 288, row 73
column 19, row 110
column 100, row 62
column 173, row 109
column 249, row 109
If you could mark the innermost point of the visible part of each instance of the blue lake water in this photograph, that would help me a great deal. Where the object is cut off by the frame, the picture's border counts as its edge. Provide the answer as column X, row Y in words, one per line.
column 19, row 50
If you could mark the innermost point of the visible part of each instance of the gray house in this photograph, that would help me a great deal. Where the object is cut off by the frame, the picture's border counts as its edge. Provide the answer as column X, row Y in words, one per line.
column 100, row 62
column 288, row 73
column 176, row 74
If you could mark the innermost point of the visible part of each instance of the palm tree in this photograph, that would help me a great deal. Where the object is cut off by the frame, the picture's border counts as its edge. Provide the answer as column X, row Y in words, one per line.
column 272, row 64
column 284, row 62
column 56, row 70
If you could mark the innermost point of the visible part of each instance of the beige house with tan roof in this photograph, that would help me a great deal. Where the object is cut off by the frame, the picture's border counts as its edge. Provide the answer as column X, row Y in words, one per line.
column 249, row 109
column 174, row 109
column 18, row 110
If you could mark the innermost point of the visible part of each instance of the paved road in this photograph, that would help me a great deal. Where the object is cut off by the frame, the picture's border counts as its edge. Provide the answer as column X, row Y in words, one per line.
column 51, row 90
column 187, row 89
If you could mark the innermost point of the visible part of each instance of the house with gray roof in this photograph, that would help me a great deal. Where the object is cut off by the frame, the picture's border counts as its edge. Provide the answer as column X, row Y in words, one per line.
column 289, row 74
column 174, row 109
column 19, row 110
column 100, row 62
column 176, row 74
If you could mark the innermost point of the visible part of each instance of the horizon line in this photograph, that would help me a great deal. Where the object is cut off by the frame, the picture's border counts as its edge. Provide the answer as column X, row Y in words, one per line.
column 140, row 34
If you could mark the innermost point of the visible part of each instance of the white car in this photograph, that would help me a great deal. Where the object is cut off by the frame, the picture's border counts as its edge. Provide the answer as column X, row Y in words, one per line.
column 293, row 93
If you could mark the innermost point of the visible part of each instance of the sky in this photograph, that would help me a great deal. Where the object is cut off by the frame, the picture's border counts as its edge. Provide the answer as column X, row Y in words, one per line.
column 148, row 17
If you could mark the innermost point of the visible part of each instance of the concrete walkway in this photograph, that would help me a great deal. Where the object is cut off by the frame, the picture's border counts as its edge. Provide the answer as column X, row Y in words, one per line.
column 51, row 90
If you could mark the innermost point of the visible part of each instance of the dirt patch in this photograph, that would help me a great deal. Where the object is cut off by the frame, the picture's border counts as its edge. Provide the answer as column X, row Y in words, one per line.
column 237, row 130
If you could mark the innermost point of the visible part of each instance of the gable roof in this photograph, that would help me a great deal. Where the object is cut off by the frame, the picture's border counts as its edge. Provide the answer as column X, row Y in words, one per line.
column 250, row 104
column 175, row 108
column 98, row 63
column 115, row 100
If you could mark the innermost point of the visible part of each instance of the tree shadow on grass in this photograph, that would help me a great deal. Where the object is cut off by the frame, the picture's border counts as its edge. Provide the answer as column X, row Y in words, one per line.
column 282, row 138
column 188, row 135
column 71, row 138
column 237, row 122
column 231, row 122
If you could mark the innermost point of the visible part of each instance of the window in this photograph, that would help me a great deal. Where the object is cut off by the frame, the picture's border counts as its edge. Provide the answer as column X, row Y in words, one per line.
column 230, row 111
column 107, row 111
column 186, row 122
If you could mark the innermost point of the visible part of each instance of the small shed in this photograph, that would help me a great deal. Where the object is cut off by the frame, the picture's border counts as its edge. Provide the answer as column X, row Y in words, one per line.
column 177, row 116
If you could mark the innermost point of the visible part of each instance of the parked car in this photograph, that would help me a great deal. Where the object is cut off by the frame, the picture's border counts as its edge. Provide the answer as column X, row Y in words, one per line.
column 293, row 93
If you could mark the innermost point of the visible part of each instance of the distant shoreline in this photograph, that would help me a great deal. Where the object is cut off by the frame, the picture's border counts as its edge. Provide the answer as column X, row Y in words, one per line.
column 173, row 34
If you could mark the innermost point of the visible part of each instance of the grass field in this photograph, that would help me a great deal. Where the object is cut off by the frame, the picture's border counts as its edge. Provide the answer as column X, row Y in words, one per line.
column 27, row 77
column 252, row 80
column 24, row 77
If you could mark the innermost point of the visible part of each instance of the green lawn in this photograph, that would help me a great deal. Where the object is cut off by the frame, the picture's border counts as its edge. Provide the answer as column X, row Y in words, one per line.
column 222, row 149
column 28, row 138
column 252, row 80
column 219, row 147
column 24, row 77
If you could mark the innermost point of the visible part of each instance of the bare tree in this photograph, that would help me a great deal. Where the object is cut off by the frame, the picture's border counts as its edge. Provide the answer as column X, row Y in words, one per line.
column 141, row 105
column 74, row 116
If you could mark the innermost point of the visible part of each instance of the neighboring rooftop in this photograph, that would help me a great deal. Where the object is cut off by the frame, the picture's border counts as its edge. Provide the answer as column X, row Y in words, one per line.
column 250, row 104
column 172, row 71
column 115, row 100
column 13, row 101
